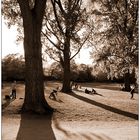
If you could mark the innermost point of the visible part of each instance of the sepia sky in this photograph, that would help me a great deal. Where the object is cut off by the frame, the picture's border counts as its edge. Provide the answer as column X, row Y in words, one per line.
column 9, row 46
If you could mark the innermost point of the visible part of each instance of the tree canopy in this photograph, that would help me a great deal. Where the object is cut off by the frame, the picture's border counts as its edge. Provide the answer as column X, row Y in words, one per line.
column 119, row 51
column 13, row 67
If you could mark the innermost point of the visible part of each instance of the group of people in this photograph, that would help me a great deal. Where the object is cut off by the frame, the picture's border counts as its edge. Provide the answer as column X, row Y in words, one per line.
column 75, row 86
column 53, row 94
column 93, row 91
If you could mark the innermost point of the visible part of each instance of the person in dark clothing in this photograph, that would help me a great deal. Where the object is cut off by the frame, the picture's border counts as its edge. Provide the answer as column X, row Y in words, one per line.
column 13, row 94
column 53, row 95
column 132, row 91
column 94, row 91
column 76, row 86
column 87, row 91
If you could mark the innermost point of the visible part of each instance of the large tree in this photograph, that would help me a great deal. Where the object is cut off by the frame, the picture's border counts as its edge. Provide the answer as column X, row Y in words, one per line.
column 31, row 12
column 66, row 23
column 119, row 52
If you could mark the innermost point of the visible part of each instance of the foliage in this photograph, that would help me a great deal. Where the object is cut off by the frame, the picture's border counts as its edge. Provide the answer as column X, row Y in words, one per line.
column 79, row 73
column 12, row 16
column 120, row 39
column 56, row 71
column 13, row 67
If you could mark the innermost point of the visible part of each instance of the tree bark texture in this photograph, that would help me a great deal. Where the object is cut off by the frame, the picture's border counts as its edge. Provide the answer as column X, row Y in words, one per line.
column 66, row 68
column 34, row 86
column 127, row 81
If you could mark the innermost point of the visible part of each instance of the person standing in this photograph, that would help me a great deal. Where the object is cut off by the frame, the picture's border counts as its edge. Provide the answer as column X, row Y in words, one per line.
column 14, row 90
column 132, row 91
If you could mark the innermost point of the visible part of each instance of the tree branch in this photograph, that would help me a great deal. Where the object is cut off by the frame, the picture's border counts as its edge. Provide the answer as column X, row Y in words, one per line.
column 56, row 16
column 51, row 56
column 53, row 32
column 81, row 45
column 51, row 41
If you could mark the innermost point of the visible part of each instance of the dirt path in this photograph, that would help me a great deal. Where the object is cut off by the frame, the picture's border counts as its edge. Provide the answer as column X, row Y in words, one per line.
column 79, row 116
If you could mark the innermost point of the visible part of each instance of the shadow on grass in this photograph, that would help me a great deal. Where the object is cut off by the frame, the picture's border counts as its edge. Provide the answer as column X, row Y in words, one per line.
column 79, row 135
column 7, row 102
column 87, row 93
column 106, row 107
column 56, row 100
column 35, row 127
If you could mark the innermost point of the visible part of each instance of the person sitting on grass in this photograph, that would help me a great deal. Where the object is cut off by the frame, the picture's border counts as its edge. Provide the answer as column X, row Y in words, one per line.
column 94, row 91
column 87, row 91
column 90, row 92
column 11, row 95
column 76, row 86
column 53, row 95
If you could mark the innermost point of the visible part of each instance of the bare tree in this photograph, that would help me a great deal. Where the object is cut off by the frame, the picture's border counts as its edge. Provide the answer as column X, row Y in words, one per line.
column 68, row 25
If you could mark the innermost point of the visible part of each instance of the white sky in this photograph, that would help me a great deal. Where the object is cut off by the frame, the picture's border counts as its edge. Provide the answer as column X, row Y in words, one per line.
column 9, row 45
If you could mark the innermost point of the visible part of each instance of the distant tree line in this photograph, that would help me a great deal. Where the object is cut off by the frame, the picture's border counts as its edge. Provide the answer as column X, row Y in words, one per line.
column 13, row 68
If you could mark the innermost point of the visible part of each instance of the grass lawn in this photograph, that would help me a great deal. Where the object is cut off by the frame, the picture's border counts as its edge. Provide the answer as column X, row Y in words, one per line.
column 112, row 115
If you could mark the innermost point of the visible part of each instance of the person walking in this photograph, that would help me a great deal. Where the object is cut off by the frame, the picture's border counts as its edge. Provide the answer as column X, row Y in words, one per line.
column 14, row 90
column 132, row 91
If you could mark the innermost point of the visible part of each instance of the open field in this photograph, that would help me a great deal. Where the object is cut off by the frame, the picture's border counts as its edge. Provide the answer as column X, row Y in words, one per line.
column 110, row 115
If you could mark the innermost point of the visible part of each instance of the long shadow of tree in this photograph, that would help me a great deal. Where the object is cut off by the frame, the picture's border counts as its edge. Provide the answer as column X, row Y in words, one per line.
column 35, row 127
column 107, row 107
column 7, row 102
column 79, row 135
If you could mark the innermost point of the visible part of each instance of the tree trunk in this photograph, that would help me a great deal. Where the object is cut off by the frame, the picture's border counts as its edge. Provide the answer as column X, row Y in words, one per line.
column 34, row 87
column 127, row 81
column 66, row 68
